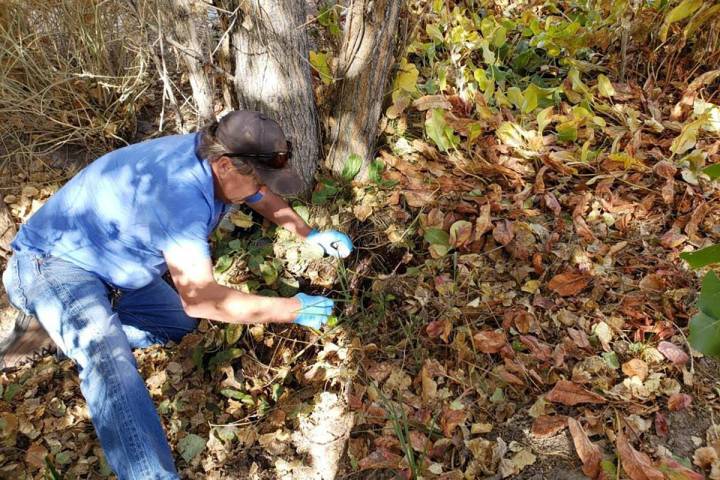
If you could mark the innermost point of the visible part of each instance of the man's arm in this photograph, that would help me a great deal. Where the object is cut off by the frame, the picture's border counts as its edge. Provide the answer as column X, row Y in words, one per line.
column 203, row 297
column 276, row 209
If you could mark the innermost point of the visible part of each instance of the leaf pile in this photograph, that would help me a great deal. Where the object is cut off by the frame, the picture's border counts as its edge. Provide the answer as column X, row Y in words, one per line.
column 517, row 305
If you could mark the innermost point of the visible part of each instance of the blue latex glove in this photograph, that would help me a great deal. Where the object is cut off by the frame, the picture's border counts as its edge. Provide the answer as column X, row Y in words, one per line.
column 334, row 243
column 314, row 310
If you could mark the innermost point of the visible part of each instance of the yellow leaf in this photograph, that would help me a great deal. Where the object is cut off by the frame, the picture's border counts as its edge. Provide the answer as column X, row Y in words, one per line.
column 543, row 119
column 700, row 19
column 605, row 87
column 679, row 13
column 319, row 61
column 407, row 77
column 241, row 219
column 688, row 136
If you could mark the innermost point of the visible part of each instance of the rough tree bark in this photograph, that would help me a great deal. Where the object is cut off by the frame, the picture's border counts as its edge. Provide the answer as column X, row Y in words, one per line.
column 272, row 75
column 194, row 55
column 366, row 56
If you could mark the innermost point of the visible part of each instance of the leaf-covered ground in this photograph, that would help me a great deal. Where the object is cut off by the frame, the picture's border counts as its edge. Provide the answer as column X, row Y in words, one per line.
column 516, row 306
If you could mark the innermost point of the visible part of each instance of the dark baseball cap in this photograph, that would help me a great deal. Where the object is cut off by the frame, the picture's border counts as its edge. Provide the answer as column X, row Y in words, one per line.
column 251, row 133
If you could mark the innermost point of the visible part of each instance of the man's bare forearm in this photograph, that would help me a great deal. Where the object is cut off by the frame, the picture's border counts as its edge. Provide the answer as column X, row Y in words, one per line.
column 276, row 209
column 224, row 304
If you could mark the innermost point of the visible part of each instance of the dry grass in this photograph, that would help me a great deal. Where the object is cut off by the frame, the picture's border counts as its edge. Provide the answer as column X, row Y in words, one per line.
column 71, row 72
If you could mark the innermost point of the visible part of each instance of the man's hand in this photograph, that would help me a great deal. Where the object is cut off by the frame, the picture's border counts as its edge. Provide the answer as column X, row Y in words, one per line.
column 314, row 310
column 334, row 243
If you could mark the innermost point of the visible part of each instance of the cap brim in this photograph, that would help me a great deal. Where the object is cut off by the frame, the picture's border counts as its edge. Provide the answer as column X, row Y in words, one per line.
column 283, row 181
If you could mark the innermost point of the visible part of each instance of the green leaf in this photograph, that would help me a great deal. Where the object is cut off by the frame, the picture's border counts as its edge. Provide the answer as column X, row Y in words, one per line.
column 567, row 132
column 233, row 332
column 352, row 167
column 611, row 360
column 276, row 392
column 329, row 18
column 10, row 392
column 376, row 169
column 438, row 130
column 327, row 190
column 709, row 301
column 704, row 256
column 63, row 458
column 437, row 251
column 197, row 356
column 288, row 286
column 436, row 236
column 531, row 98
column 577, row 83
column 705, row 325
column 677, row 14
column 605, row 87
column 225, row 356
column 245, row 398
column 269, row 272
column 319, row 61
column 434, row 33
column 223, row 264
column 544, row 118
column 713, row 171
column 302, row 210
column 190, row 446
column 499, row 37
column 498, row 396
column 609, row 468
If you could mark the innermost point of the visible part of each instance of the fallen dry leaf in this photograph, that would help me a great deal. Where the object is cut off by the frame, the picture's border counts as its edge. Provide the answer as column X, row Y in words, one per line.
column 490, row 341
column 419, row 441
column 679, row 401
column 451, row 419
column 635, row 368
column 569, row 393
column 548, row 425
column 380, row 458
column 482, row 223
column 427, row 102
column 675, row 471
column 36, row 454
column 439, row 328
column 569, row 283
column 503, row 233
column 661, row 426
column 589, row 453
column 636, row 464
column 673, row 353
column 704, row 457
column 672, row 239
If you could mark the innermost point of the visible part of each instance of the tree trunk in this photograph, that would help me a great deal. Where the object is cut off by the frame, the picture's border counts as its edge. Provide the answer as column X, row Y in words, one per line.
column 184, row 18
column 272, row 75
column 366, row 56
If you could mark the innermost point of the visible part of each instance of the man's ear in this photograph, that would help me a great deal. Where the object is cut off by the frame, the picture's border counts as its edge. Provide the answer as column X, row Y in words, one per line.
column 224, row 165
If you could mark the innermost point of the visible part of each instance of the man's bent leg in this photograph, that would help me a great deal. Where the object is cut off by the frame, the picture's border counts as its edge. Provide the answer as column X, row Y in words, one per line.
column 73, row 306
column 153, row 314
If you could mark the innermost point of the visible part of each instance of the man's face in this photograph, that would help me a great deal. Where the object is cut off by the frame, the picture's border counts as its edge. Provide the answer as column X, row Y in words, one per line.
column 232, row 186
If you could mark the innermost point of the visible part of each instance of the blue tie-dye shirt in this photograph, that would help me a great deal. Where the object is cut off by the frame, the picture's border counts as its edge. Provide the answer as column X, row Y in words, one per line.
column 119, row 214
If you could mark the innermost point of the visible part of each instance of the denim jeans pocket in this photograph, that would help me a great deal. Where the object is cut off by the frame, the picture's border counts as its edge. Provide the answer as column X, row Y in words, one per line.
column 11, row 282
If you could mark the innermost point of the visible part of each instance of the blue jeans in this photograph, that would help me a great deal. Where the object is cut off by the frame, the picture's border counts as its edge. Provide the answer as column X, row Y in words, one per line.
column 74, row 306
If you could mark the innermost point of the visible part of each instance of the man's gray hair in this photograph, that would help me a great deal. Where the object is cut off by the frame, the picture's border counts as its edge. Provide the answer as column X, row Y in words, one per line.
column 209, row 147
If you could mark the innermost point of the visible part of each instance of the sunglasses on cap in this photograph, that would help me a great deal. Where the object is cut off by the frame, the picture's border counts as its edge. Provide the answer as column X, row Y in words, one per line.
column 274, row 160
